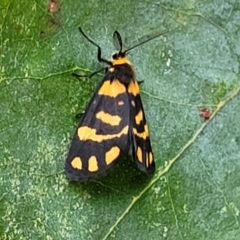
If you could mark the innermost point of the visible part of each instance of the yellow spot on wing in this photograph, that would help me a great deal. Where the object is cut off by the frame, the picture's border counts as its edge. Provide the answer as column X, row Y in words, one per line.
column 121, row 60
column 144, row 134
column 139, row 154
column 133, row 88
column 77, row 163
column 112, row 88
column 92, row 164
column 107, row 118
column 150, row 158
column 111, row 155
column 139, row 117
column 87, row 133
column 147, row 163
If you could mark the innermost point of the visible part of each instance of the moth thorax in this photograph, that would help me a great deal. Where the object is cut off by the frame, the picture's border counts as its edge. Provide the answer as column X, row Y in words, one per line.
column 124, row 73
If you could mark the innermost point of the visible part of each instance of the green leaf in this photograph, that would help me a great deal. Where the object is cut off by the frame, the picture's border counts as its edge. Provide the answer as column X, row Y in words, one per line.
column 195, row 192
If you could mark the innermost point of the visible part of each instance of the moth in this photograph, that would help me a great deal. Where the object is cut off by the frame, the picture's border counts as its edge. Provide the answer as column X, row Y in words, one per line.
column 113, row 124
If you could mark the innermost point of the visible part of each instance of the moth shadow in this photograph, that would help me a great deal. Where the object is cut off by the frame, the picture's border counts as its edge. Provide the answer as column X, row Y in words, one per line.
column 124, row 178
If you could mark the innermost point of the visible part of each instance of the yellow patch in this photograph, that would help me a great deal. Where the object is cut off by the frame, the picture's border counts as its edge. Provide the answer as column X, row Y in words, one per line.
column 133, row 88
column 120, row 60
column 150, row 157
column 111, row 155
column 147, row 160
column 144, row 134
column 109, row 119
column 112, row 88
column 111, row 69
column 77, row 163
column 120, row 103
column 139, row 154
column 92, row 164
column 86, row 133
column 139, row 117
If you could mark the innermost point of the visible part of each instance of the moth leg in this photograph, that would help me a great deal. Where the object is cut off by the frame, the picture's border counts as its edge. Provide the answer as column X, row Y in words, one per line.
column 89, row 75
column 79, row 115
column 140, row 82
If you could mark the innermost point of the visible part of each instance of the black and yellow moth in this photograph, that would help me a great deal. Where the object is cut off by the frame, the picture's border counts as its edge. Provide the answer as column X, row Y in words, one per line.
column 113, row 123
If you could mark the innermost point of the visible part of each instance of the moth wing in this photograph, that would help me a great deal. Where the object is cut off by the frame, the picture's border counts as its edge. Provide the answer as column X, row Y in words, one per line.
column 102, row 135
column 141, row 145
